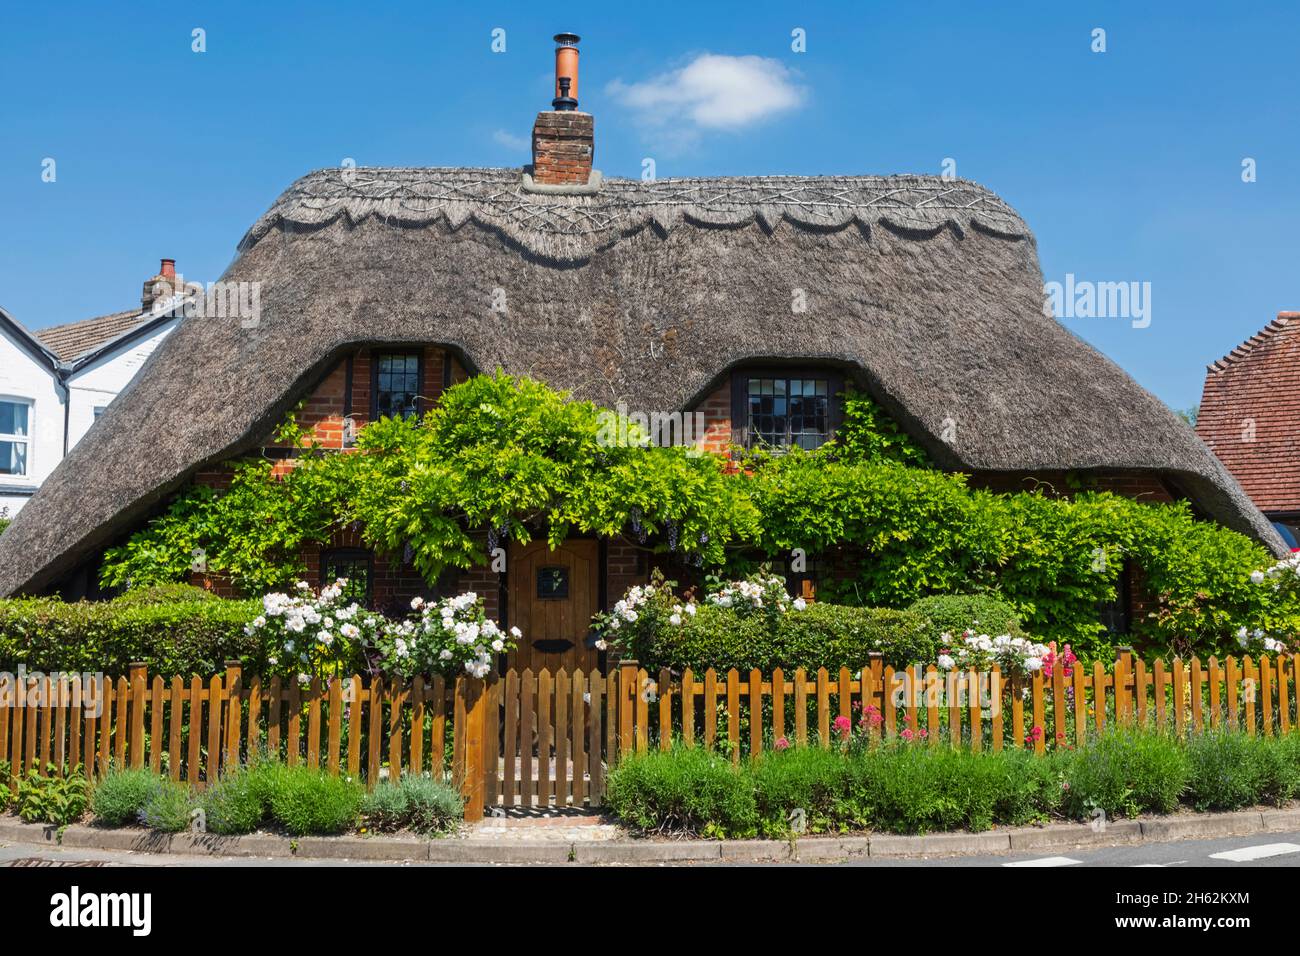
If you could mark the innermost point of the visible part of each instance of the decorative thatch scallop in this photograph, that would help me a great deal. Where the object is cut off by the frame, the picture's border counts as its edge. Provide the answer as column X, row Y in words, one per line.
column 643, row 293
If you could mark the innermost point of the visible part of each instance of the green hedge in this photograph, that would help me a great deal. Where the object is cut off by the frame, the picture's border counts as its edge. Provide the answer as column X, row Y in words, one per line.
column 822, row 635
column 181, row 637
column 954, row 613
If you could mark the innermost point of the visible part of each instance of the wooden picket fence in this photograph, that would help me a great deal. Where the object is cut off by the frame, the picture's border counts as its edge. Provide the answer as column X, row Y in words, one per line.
column 535, row 741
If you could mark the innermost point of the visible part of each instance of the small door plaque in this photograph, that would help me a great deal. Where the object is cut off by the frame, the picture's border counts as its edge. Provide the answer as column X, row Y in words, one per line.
column 552, row 583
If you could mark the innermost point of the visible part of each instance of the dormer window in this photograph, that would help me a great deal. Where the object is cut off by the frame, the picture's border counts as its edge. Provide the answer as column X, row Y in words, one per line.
column 396, row 384
column 781, row 408
column 15, row 436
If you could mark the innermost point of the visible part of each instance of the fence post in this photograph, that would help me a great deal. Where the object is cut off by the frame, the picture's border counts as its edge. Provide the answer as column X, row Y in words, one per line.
column 1123, row 673
column 467, row 766
column 234, row 712
column 136, row 746
column 627, row 699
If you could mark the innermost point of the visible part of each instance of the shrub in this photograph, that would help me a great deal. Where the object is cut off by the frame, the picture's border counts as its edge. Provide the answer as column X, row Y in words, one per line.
column 385, row 808
column 1124, row 773
column 57, row 798
column 120, row 798
column 902, row 788
column 808, row 778
column 432, row 806
column 184, row 637
column 686, row 790
column 168, row 807
column 1229, row 770
column 954, row 613
column 909, row 788
column 164, row 594
column 236, row 803
column 821, row 635
column 6, row 794
column 307, row 801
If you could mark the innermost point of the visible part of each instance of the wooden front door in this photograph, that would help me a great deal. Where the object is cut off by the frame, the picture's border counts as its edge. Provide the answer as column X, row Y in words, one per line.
column 552, row 596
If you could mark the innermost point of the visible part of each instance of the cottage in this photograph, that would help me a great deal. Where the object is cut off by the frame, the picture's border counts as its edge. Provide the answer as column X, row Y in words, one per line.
column 1250, row 419
column 750, row 301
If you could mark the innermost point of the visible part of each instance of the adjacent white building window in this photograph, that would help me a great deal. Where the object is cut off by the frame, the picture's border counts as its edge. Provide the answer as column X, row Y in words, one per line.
column 15, row 436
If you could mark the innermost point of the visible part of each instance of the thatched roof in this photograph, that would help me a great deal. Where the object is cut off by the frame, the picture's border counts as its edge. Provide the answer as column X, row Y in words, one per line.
column 644, row 293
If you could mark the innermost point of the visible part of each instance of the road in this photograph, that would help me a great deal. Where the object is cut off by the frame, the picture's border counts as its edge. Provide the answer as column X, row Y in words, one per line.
column 1263, row 849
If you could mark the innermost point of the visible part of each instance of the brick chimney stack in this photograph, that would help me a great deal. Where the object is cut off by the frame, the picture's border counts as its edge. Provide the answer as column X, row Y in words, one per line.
column 563, row 137
column 159, row 287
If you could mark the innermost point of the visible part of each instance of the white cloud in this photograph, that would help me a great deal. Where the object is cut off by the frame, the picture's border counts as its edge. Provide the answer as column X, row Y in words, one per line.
column 516, row 144
column 713, row 92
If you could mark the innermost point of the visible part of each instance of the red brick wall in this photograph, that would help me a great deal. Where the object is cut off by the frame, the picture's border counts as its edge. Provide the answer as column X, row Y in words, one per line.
column 717, row 418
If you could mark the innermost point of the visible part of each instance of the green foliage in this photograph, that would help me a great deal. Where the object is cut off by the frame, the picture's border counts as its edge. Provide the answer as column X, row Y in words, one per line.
column 687, row 790
column 867, row 433
column 385, row 807
column 432, row 805
column 417, row 803
column 164, row 594
column 239, row 801
column 499, row 453
column 1124, row 773
column 120, row 798
column 174, row 638
column 904, row 788
column 254, row 532
column 500, row 456
column 6, row 792
column 307, row 802
column 954, row 613
column 4, row 523
column 1229, row 771
column 56, row 798
column 809, row 778
column 912, row 788
column 168, row 807
column 821, row 635
column 915, row 532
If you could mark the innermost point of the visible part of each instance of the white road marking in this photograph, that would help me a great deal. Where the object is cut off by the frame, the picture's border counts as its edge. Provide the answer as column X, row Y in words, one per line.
column 1263, row 851
column 1050, row 861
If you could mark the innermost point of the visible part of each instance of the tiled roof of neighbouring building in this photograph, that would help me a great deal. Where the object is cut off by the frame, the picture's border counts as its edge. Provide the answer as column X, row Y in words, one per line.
column 1250, row 414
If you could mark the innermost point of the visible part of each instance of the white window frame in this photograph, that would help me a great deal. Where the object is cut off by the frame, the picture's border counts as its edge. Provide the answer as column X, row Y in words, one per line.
column 28, row 439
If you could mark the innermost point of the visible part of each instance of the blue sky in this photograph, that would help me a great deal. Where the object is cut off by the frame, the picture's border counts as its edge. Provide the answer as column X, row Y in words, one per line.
column 1127, row 164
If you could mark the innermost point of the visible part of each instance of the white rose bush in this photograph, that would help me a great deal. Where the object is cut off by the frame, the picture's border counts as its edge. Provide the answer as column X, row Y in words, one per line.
column 757, row 593
column 1014, row 656
column 306, row 635
column 452, row 636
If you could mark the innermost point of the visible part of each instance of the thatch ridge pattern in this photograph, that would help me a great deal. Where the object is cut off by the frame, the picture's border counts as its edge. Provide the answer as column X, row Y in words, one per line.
column 569, row 228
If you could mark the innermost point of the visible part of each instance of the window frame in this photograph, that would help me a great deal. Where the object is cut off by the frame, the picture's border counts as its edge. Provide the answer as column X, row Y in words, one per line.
column 376, row 356
column 349, row 555
column 25, row 440
column 740, row 397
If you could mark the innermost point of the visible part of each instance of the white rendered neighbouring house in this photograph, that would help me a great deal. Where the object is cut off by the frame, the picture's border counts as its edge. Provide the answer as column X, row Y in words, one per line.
column 56, row 382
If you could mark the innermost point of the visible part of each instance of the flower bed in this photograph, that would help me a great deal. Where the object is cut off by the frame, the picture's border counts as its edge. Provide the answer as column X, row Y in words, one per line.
column 910, row 787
